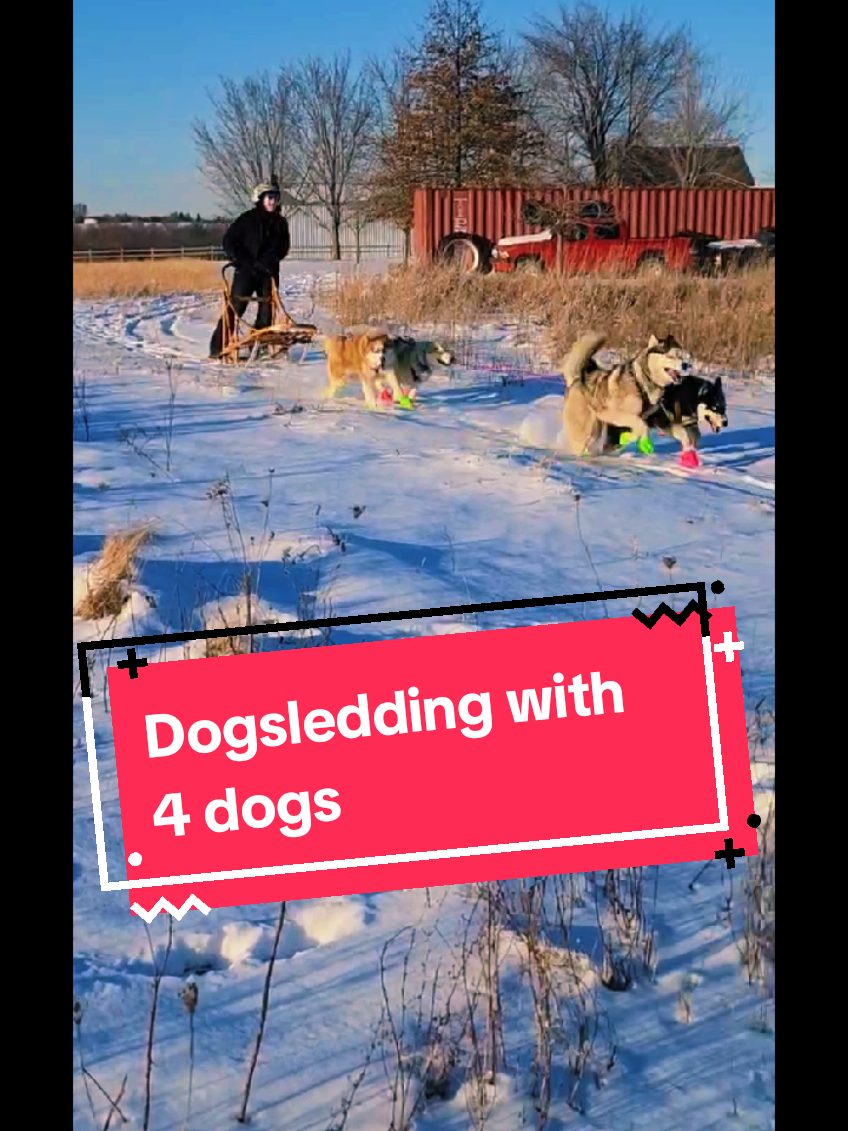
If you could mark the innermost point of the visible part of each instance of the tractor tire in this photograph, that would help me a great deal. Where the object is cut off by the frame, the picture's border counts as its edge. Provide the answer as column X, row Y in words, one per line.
column 472, row 254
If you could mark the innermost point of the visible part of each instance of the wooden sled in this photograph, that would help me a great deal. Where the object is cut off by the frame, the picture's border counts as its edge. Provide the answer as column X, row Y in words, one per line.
column 283, row 332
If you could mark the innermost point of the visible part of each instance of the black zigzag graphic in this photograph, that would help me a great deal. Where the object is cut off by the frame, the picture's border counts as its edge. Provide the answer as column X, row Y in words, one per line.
column 663, row 610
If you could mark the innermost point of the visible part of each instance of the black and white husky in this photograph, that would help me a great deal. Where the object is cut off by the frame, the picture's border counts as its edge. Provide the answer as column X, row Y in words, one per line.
column 681, row 409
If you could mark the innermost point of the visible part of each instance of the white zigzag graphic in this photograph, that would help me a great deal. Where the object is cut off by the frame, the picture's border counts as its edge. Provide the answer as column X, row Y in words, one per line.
column 163, row 904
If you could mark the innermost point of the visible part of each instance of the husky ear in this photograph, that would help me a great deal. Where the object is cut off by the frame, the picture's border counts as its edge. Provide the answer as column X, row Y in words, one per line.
column 718, row 383
column 653, row 342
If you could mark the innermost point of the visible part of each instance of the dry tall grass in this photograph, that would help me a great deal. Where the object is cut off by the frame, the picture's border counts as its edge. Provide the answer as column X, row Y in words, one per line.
column 725, row 321
column 145, row 277
column 110, row 575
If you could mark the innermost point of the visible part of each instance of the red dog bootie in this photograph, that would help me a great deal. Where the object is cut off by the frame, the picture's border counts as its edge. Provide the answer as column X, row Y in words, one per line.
column 385, row 396
column 689, row 458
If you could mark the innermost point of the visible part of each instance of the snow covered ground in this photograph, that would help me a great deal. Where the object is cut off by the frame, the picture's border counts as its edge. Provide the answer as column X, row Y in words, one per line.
column 462, row 500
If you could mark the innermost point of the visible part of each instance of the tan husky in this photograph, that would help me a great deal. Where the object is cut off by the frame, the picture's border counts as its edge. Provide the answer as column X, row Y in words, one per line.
column 621, row 396
column 355, row 355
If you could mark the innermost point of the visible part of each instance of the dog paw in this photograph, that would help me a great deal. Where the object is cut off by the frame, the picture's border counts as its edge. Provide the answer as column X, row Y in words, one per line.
column 645, row 446
column 690, row 458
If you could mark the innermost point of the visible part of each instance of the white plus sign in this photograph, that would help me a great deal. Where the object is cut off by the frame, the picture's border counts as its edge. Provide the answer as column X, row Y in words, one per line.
column 729, row 647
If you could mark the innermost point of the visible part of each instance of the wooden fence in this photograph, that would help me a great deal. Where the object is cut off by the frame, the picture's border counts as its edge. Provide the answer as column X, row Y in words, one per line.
column 366, row 251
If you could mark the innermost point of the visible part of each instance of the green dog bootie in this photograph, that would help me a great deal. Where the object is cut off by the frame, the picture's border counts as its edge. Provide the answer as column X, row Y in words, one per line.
column 625, row 438
column 645, row 446
column 404, row 402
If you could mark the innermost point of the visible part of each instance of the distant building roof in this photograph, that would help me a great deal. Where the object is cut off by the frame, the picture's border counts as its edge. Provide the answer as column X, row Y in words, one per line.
column 715, row 166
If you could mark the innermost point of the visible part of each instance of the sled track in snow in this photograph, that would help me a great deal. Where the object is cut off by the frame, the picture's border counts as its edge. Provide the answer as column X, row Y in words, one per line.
column 723, row 469
column 155, row 327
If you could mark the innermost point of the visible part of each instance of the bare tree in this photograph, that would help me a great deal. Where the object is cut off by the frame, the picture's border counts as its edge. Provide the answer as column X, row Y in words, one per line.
column 336, row 113
column 357, row 217
column 558, row 160
column 703, row 121
column 604, row 80
column 530, row 156
column 255, row 132
column 397, row 168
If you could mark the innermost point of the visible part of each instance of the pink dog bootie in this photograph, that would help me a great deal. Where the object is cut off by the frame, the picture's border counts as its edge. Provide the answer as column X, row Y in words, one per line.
column 689, row 458
column 385, row 396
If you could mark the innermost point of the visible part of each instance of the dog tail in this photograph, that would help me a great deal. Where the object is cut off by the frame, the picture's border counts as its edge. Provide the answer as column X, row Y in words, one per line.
column 583, row 349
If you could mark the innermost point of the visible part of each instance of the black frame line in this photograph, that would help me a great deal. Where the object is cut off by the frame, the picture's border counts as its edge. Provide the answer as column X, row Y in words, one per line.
column 698, row 606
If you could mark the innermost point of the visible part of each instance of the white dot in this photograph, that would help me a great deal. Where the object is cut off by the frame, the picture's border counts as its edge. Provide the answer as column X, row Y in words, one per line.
column 413, row 691
column 134, row 859
column 558, row 677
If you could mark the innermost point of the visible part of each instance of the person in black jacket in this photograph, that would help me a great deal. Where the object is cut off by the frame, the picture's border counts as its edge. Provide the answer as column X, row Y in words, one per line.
column 255, row 243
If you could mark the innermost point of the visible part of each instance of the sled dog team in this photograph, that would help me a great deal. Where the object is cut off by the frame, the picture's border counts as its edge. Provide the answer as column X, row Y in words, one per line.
column 654, row 389
column 380, row 360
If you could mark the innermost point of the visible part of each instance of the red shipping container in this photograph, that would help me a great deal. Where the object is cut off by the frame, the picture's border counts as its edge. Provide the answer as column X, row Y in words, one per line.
column 652, row 213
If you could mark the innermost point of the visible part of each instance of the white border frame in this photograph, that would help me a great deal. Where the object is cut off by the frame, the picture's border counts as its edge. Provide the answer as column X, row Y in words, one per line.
column 409, row 857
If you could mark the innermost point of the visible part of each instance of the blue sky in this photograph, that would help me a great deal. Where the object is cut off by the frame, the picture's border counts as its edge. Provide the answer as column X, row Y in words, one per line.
column 142, row 73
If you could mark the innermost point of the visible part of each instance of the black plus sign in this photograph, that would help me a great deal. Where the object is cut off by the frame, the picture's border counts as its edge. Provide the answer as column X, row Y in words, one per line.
column 132, row 663
column 729, row 852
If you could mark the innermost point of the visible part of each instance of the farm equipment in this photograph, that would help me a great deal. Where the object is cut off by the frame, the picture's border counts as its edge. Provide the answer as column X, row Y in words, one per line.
column 277, row 338
column 724, row 255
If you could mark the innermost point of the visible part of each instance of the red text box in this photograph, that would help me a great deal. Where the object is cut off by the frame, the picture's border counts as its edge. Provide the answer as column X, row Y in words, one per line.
column 431, row 760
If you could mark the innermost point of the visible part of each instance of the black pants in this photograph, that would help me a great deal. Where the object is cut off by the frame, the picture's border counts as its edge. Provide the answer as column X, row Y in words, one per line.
column 246, row 283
